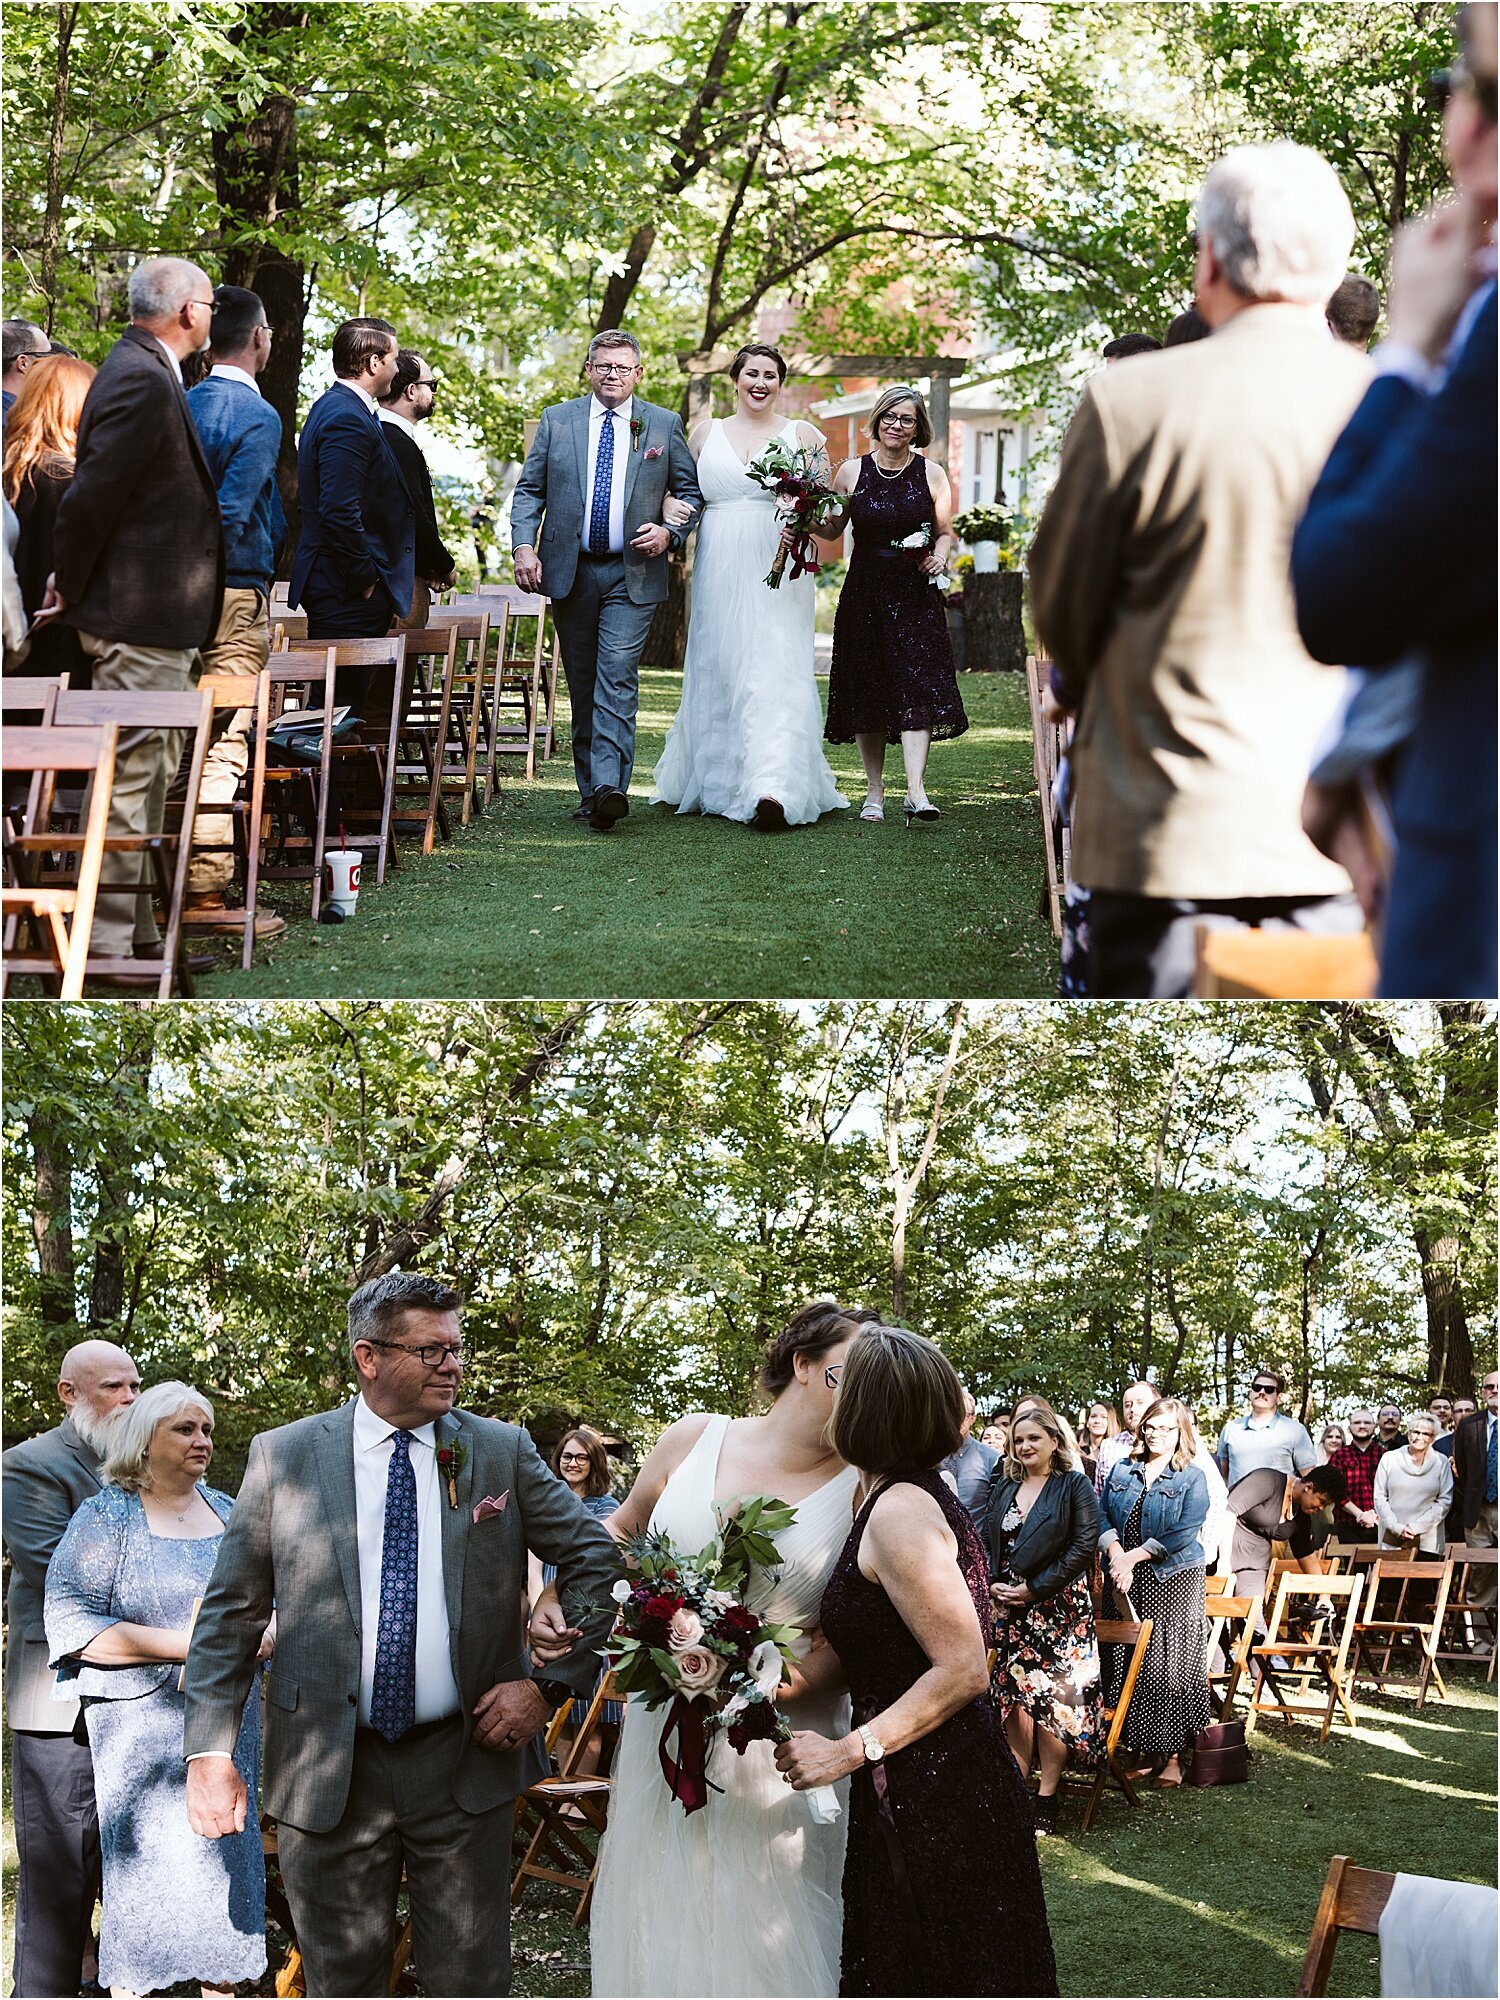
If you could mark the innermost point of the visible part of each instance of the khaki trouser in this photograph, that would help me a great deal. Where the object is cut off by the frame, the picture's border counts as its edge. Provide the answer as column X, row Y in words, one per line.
column 421, row 608
column 144, row 763
column 1483, row 1535
column 241, row 645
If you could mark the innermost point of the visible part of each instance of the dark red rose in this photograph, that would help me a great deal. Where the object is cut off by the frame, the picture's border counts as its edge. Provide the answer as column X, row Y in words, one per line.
column 661, row 1607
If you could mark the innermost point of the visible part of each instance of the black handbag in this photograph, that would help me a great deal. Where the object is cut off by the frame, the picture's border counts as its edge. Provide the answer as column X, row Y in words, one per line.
column 1220, row 1756
column 296, row 741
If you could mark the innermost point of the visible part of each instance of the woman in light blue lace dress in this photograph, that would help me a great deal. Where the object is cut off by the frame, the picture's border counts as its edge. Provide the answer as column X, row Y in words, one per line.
column 119, row 1605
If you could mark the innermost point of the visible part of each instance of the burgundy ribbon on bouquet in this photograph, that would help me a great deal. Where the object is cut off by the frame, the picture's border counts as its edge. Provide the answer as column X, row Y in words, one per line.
column 804, row 555
column 890, row 1833
column 688, row 1778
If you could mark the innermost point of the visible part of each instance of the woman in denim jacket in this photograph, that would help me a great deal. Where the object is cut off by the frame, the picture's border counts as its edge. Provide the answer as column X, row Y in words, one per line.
column 1155, row 1504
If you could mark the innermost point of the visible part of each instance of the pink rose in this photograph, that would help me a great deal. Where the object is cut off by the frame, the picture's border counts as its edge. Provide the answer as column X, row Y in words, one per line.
column 685, row 1630
column 698, row 1670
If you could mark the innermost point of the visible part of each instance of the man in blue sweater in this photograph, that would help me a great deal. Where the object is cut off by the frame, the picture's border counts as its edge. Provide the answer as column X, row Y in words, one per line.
column 241, row 438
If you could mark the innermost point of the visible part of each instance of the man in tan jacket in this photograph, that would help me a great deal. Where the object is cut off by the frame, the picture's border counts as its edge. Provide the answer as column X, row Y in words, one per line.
column 1160, row 587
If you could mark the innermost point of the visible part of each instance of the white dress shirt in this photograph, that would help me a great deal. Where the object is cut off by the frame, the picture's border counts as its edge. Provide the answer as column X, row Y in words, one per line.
column 401, row 423
column 437, row 1690
column 363, row 394
column 176, row 364
column 621, row 420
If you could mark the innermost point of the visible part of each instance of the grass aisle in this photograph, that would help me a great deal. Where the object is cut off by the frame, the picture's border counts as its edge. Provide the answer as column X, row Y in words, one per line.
column 1199, row 1892
column 528, row 901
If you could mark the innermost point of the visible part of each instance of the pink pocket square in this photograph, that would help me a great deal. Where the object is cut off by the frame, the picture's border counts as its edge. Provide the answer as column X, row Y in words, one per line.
column 653, row 451
column 488, row 1508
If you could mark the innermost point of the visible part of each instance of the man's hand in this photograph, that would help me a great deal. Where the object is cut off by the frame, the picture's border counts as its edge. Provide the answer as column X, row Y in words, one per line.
column 53, row 604
column 1432, row 274
column 1332, row 822
column 510, row 1715
column 528, row 569
column 267, row 1641
column 651, row 540
column 550, row 1636
column 215, row 1797
column 1053, row 710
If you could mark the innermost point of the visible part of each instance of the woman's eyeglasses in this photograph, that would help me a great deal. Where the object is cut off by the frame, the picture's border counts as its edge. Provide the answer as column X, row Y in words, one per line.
column 831, row 1375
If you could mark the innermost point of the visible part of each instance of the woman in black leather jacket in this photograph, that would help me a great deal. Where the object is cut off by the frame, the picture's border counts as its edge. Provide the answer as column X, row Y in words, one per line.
column 1042, row 1529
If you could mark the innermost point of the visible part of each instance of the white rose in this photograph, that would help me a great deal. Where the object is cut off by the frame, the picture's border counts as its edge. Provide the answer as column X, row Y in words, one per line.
column 698, row 1670
column 736, row 1705
column 621, row 1592
column 685, row 1630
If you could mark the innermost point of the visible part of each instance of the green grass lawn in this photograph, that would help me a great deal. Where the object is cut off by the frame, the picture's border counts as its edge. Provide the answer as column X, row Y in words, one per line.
column 1207, row 1892
column 528, row 901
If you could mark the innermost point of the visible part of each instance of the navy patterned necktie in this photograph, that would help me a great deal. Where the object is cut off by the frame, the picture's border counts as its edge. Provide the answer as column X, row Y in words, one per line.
column 393, row 1698
column 1489, row 1466
column 604, row 473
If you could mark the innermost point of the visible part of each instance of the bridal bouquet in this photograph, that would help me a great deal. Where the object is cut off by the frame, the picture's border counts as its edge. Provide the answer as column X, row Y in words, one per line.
column 685, row 1640
column 791, row 473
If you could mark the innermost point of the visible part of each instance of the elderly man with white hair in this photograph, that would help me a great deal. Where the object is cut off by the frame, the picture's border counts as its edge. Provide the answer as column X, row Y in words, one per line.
column 140, row 563
column 1160, row 586
column 45, row 1480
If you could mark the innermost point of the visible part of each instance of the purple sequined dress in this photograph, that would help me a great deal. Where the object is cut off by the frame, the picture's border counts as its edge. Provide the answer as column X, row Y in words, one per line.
column 942, row 1892
column 892, row 660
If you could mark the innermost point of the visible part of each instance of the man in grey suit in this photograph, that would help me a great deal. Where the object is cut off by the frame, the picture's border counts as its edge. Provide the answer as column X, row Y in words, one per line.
column 52, row 1779
column 598, row 470
column 1160, row 582
column 402, row 1717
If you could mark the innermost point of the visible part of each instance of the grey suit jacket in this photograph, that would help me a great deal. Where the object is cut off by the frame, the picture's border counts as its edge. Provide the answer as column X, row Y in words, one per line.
column 292, row 1542
column 46, row 1479
column 552, row 494
column 1161, row 581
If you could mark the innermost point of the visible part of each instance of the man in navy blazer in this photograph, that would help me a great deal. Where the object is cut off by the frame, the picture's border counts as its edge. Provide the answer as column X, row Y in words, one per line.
column 355, row 562
column 1395, row 555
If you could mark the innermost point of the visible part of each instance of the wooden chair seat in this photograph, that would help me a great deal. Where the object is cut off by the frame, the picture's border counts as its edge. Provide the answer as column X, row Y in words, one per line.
column 1353, row 1899
column 1233, row 1623
column 466, row 746
column 1283, row 965
column 1463, row 1616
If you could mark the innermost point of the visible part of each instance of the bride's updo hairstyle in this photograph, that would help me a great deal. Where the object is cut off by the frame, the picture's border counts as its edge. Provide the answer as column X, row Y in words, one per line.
column 813, row 1331
column 757, row 347
column 900, row 1407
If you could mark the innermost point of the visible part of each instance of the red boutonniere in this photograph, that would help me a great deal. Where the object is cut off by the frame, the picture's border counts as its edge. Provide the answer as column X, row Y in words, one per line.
column 637, row 425
column 451, row 1460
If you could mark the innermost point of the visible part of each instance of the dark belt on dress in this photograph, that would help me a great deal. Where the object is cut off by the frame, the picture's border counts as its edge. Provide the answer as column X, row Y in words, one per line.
column 885, row 1819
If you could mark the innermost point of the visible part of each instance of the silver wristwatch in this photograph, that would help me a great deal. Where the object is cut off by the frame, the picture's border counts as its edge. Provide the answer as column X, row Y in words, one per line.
column 874, row 1748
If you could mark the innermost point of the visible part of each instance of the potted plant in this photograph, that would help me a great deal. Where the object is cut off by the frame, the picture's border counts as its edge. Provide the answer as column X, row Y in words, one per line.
column 987, row 531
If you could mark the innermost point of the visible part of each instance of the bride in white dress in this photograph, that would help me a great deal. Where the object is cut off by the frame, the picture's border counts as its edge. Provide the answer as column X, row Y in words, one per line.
column 747, row 741
column 743, row 1897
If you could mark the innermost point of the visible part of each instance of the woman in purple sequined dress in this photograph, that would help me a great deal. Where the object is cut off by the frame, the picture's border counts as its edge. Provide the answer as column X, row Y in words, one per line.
column 892, row 678
column 942, row 1891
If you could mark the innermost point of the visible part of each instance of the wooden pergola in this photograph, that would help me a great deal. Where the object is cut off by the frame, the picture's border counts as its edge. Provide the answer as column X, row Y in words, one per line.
column 941, row 370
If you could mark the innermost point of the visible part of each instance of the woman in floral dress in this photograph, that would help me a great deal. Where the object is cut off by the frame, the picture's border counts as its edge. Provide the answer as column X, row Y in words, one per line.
column 1042, row 1531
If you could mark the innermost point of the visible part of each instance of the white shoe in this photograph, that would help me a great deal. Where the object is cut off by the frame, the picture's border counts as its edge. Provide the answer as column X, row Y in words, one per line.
column 873, row 810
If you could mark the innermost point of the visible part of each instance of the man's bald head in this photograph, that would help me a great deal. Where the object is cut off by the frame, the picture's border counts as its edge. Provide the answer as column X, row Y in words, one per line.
column 96, row 1379
column 173, row 299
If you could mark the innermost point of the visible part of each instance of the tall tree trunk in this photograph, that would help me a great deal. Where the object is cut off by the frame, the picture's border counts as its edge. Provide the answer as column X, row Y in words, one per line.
column 1450, row 1350
column 67, row 20
column 256, row 182
column 52, row 1221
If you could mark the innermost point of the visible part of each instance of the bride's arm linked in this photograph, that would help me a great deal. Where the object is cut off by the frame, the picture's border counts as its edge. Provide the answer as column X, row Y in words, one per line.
column 909, row 1550
column 819, row 1671
column 551, row 1637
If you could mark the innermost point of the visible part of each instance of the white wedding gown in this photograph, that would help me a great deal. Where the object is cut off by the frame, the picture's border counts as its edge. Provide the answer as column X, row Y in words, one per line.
column 750, row 725
column 744, row 1897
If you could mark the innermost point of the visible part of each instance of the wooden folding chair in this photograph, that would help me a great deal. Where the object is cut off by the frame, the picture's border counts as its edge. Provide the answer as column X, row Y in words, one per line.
column 1049, row 744
column 27, row 699
column 62, row 917
column 287, row 628
column 1404, row 1627
column 1282, row 965
column 466, row 746
column 240, row 693
column 1115, row 1632
column 310, row 678
column 375, row 749
column 190, row 711
column 426, row 721
column 1464, row 1616
column 523, row 695
column 1283, row 1654
column 1353, row 1899
column 557, row 1851
column 1232, row 1623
